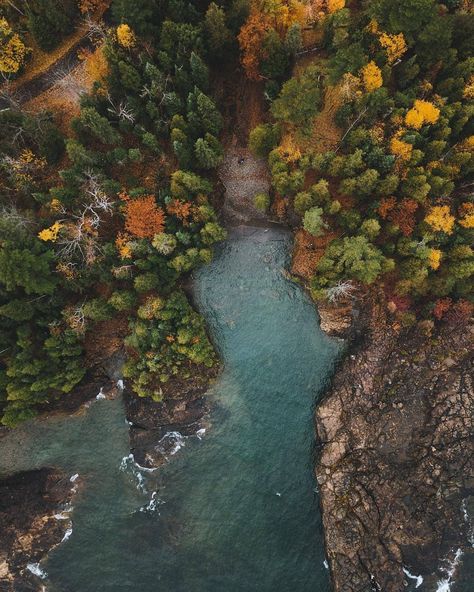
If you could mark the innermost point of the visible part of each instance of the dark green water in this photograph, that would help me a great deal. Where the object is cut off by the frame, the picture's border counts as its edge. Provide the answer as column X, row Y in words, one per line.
column 236, row 511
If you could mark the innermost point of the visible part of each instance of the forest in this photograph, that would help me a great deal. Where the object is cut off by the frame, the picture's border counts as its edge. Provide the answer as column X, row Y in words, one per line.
column 368, row 134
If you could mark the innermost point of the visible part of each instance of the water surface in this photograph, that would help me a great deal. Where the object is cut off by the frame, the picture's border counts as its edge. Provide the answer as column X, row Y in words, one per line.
column 237, row 510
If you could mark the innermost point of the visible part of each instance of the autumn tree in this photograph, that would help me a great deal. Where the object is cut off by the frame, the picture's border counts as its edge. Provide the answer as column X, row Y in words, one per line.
column 13, row 51
column 371, row 77
column 422, row 112
column 125, row 36
column 143, row 218
column 440, row 219
column 86, row 6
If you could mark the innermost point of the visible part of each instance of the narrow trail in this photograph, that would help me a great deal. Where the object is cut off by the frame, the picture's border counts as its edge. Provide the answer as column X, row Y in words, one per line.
column 29, row 90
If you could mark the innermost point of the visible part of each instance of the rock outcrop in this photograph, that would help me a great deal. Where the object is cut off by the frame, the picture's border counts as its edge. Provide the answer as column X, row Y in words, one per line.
column 396, row 458
column 181, row 411
column 31, row 524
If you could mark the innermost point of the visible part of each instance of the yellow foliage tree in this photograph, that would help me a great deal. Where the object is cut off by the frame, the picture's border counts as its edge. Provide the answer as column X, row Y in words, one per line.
column 51, row 233
column 468, row 92
column 335, row 5
column 467, row 215
column 96, row 65
column 122, row 242
column 371, row 77
column 13, row 51
column 434, row 258
column 400, row 148
column 125, row 36
column 394, row 45
column 440, row 219
column 421, row 113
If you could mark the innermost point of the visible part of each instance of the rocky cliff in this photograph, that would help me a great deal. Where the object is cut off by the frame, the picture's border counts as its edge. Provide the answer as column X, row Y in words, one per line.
column 396, row 458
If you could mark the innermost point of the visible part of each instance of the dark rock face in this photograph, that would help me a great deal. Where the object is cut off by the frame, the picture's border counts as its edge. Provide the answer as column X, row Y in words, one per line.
column 28, row 528
column 396, row 456
column 181, row 410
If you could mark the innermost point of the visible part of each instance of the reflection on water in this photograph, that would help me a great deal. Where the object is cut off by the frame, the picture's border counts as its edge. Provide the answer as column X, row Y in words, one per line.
column 236, row 510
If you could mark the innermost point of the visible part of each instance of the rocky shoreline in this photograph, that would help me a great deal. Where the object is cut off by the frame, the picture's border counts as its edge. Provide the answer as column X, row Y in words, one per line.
column 395, row 460
column 33, row 520
column 182, row 410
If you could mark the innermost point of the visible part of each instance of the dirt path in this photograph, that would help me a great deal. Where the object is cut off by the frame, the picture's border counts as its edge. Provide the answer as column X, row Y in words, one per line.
column 42, row 82
column 243, row 176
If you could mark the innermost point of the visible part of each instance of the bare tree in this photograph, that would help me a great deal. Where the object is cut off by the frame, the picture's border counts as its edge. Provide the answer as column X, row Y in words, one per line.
column 122, row 110
column 342, row 290
column 15, row 218
column 96, row 31
column 79, row 236
column 64, row 78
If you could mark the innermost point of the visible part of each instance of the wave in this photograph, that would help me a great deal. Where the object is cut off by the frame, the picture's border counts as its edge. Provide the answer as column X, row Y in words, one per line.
column 129, row 465
column 67, row 534
column 36, row 570
column 153, row 505
column 419, row 579
column 444, row 585
column 170, row 443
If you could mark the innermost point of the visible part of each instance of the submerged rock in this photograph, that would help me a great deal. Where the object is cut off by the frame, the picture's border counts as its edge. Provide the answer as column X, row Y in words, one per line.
column 396, row 455
column 30, row 525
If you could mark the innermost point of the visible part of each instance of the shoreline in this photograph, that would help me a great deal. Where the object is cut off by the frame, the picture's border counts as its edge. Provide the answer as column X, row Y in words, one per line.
column 391, row 465
column 35, row 511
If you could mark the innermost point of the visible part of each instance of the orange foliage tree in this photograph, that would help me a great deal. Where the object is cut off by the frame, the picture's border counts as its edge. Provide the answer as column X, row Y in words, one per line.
column 251, row 39
column 93, row 5
column 180, row 209
column 143, row 218
column 401, row 214
column 96, row 64
column 264, row 16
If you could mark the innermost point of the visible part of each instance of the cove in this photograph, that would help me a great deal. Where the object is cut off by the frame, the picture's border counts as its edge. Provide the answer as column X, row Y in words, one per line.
column 236, row 510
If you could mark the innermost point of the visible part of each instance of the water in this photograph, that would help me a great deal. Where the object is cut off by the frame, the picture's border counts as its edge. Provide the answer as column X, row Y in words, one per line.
column 236, row 510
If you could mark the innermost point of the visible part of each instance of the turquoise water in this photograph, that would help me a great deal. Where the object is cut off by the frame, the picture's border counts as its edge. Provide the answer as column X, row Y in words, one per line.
column 237, row 509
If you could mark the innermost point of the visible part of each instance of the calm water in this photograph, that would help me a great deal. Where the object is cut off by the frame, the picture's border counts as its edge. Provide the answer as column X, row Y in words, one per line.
column 236, row 511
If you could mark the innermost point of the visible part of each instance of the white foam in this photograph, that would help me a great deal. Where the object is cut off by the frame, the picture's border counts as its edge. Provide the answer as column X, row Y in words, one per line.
column 129, row 464
column 177, row 441
column 100, row 395
column 73, row 478
column 120, row 384
column 201, row 433
column 67, row 534
column 467, row 520
column 444, row 585
column 419, row 579
column 36, row 570
column 153, row 504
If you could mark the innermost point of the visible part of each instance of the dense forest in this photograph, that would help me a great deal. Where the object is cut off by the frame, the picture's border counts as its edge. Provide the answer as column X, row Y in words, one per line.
column 369, row 138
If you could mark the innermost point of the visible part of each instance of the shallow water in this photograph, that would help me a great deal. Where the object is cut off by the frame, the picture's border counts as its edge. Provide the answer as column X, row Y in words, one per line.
column 236, row 511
